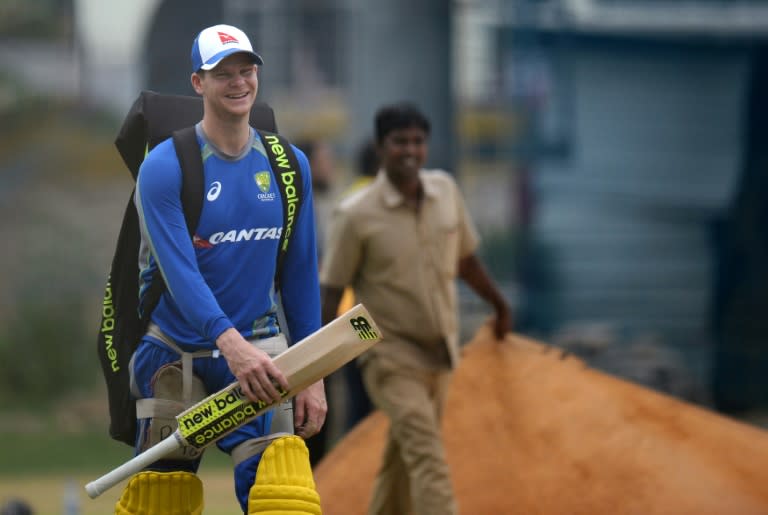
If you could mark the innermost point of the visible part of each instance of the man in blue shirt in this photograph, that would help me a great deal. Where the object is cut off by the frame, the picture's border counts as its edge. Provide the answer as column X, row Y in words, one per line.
column 217, row 321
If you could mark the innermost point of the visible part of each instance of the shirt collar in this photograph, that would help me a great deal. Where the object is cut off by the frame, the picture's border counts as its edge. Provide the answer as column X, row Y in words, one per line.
column 392, row 196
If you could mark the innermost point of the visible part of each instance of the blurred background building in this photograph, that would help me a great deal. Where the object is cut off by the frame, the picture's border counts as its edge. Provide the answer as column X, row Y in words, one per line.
column 610, row 150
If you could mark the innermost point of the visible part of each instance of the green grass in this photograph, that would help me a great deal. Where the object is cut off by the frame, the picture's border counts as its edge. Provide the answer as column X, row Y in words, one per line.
column 31, row 453
column 46, row 493
column 56, row 453
column 39, row 462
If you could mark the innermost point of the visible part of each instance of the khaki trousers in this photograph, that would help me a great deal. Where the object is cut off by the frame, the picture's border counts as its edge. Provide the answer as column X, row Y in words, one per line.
column 414, row 476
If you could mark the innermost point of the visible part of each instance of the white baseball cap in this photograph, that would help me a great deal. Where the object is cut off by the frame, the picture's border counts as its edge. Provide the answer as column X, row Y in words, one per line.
column 215, row 43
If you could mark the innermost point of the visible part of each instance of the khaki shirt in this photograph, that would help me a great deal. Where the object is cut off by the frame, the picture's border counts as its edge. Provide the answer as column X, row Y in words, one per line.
column 403, row 265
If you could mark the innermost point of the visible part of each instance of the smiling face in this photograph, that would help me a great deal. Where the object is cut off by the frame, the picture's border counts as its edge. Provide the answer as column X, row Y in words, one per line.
column 229, row 89
column 403, row 152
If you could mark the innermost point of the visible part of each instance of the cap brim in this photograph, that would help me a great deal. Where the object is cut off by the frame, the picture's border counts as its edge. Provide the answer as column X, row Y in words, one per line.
column 216, row 59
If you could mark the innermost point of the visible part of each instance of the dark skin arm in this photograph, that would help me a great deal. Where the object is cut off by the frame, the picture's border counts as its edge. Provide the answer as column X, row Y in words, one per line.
column 472, row 272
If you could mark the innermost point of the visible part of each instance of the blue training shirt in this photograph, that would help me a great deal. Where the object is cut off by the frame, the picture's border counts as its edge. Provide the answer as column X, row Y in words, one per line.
column 224, row 277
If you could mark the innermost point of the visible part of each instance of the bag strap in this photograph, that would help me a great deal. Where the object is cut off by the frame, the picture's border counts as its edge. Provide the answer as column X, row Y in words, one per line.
column 285, row 167
column 191, row 161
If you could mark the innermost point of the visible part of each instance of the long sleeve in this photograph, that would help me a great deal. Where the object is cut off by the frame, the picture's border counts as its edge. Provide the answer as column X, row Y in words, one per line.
column 158, row 201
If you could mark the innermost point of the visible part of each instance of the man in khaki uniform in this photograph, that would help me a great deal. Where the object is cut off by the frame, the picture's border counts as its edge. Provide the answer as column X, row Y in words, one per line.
column 401, row 243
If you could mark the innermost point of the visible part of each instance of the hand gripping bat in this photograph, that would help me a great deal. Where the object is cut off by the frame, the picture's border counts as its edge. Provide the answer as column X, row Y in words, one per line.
column 303, row 364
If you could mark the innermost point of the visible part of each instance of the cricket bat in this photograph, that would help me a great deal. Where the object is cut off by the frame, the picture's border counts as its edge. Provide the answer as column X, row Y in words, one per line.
column 303, row 364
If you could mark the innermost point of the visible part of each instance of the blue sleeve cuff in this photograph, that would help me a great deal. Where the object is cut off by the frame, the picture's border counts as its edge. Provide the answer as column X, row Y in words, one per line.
column 218, row 326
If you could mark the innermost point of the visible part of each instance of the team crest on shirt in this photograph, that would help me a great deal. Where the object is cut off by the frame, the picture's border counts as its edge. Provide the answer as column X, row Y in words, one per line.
column 264, row 182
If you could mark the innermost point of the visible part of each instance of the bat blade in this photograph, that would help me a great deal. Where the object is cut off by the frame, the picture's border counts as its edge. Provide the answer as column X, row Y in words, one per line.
column 303, row 364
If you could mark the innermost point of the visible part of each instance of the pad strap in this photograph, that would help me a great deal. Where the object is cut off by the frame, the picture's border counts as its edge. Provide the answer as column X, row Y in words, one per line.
column 162, row 408
column 253, row 447
column 186, row 362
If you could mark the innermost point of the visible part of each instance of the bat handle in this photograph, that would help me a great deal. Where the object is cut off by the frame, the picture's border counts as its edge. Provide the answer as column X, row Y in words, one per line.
column 98, row 486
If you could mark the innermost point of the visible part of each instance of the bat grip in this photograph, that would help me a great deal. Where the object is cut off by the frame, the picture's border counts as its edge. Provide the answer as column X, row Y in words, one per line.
column 98, row 486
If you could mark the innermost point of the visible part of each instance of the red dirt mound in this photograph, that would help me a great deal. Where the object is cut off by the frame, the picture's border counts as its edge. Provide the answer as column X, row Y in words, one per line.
column 529, row 432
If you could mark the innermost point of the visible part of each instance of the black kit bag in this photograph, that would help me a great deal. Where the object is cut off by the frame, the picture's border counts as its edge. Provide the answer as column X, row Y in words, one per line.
column 153, row 118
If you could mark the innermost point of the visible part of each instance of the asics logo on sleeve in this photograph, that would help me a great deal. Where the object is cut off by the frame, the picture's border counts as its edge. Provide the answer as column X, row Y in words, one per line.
column 238, row 235
column 214, row 191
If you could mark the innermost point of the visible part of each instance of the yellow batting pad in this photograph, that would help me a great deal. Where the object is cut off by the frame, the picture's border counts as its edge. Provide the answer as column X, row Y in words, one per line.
column 284, row 482
column 169, row 493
